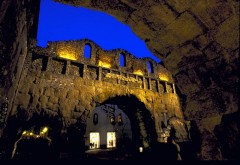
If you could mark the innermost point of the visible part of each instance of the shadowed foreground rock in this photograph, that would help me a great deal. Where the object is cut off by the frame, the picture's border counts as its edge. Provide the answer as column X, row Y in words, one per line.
column 198, row 42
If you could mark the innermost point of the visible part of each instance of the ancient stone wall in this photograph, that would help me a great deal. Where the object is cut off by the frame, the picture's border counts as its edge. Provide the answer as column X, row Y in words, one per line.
column 71, row 88
column 18, row 22
column 198, row 41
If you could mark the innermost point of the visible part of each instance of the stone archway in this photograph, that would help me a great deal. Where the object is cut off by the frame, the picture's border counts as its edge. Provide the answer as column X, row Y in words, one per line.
column 205, row 62
column 198, row 41
column 142, row 123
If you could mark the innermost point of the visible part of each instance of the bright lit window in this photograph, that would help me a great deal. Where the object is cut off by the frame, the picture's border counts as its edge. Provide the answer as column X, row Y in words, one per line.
column 94, row 140
column 111, row 139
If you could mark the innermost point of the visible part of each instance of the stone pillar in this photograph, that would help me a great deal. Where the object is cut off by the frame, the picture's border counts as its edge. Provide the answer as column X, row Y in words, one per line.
column 118, row 80
column 67, row 67
column 127, row 76
column 144, row 83
column 174, row 89
column 150, row 83
column 99, row 73
column 157, row 123
column 157, row 86
column 84, row 71
column 165, row 117
column 165, row 86
column 49, row 64
column 142, row 129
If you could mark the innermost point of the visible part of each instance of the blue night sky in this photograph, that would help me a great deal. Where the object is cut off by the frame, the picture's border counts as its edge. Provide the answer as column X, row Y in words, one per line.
column 64, row 22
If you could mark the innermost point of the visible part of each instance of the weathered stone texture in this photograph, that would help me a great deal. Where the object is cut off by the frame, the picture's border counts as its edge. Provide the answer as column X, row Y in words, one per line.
column 23, row 100
column 212, row 13
column 184, row 28
column 229, row 28
column 228, row 131
column 14, row 39
column 198, row 41
column 69, row 96
column 210, row 149
column 180, row 5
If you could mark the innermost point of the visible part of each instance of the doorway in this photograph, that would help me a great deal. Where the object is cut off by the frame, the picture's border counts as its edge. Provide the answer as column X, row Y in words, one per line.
column 94, row 140
column 111, row 139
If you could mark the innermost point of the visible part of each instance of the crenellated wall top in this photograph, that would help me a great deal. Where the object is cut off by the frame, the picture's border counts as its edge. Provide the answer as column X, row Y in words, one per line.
column 87, row 52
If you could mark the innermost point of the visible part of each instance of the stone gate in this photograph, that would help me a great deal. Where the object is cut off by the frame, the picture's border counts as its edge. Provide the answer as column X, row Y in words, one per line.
column 60, row 81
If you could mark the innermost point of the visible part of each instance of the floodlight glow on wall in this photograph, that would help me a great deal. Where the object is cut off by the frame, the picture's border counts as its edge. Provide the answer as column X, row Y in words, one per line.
column 104, row 64
column 138, row 72
column 163, row 77
column 66, row 54
column 66, row 51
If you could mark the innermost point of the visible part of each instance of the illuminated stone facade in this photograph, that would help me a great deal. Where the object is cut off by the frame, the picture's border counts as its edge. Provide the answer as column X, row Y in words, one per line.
column 61, row 85
column 198, row 41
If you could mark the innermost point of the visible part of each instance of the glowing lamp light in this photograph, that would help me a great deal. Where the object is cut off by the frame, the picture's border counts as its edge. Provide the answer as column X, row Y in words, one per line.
column 104, row 64
column 138, row 72
column 140, row 149
column 44, row 130
column 31, row 134
column 24, row 133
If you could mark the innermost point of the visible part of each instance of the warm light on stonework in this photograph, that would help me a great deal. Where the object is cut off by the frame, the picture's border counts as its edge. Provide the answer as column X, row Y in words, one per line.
column 66, row 54
column 67, row 51
column 104, row 64
column 163, row 77
column 138, row 72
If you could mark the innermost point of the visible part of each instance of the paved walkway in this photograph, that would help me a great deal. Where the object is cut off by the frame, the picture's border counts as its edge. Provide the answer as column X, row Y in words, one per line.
column 106, row 154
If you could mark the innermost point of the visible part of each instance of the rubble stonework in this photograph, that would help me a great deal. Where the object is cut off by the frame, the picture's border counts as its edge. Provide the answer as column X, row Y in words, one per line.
column 54, row 84
column 198, row 41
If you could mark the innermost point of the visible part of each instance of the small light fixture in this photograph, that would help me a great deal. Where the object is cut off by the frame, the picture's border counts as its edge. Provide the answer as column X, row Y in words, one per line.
column 45, row 129
column 112, row 120
column 119, row 119
column 140, row 149
column 24, row 133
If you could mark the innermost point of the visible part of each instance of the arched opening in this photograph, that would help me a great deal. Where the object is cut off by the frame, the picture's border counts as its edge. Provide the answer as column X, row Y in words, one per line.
column 119, row 35
column 108, row 127
column 122, row 60
column 150, row 67
column 125, row 118
column 87, row 51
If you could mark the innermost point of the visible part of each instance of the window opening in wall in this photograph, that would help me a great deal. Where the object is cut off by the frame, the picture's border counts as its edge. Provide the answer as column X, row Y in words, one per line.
column 82, row 22
column 111, row 139
column 94, row 140
column 122, row 60
column 87, row 51
column 150, row 67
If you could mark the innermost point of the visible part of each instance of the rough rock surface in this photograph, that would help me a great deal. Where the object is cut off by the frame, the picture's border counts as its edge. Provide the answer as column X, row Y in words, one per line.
column 198, row 41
